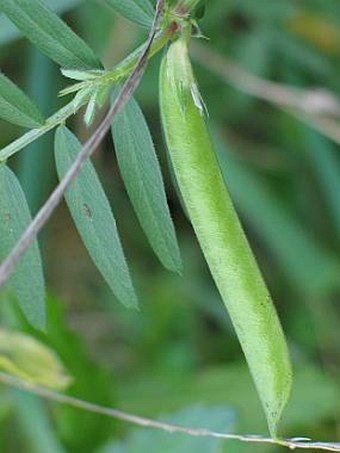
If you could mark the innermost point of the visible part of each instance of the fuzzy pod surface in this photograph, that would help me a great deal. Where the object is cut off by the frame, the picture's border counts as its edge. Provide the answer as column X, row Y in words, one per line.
column 220, row 234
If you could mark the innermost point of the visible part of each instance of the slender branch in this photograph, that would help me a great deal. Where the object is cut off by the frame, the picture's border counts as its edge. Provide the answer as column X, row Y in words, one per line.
column 317, row 101
column 87, row 150
column 296, row 442
column 318, row 107
column 53, row 121
column 122, row 69
column 326, row 125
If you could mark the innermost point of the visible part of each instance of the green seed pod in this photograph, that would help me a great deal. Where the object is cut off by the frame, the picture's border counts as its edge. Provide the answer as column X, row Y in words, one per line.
column 220, row 233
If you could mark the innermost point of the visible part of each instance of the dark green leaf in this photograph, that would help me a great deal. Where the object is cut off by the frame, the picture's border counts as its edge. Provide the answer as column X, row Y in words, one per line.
column 143, row 179
column 138, row 11
column 93, row 217
column 27, row 281
column 16, row 107
column 49, row 33
column 8, row 31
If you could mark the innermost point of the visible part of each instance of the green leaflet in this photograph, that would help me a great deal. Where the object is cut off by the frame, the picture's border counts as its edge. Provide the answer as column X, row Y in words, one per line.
column 32, row 361
column 27, row 280
column 8, row 31
column 142, row 176
column 49, row 33
column 220, row 233
column 16, row 107
column 138, row 11
column 94, row 220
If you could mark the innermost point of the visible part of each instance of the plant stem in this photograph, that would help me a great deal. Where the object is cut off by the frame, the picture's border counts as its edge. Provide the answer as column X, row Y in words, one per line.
column 53, row 121
column 292, row 443
column 127, row 65
column 119, row 72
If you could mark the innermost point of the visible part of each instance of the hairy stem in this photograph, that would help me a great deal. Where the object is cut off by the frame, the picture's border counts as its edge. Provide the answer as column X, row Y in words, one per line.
column 118, row 73
column 53, row 121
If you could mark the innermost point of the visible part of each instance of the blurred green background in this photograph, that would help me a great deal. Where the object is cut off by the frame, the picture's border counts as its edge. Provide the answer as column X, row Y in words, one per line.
column 178, row 358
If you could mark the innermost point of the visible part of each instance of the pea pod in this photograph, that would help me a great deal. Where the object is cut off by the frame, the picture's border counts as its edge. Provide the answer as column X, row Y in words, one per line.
column 220, row 234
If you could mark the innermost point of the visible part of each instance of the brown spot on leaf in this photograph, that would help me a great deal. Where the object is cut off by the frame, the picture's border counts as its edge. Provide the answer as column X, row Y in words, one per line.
column 87, row 210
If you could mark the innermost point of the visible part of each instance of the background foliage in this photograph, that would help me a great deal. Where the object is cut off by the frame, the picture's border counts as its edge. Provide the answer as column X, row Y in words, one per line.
column 178, row 358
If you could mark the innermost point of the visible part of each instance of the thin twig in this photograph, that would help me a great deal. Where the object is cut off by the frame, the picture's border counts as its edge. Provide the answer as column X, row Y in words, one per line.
column 32, row 135
column 318, row 107
column 87, row 151
column 316, row 101
column 296, row 442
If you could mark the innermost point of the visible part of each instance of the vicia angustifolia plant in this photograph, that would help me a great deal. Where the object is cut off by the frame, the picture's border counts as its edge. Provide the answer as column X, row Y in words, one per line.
column 197, row 175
